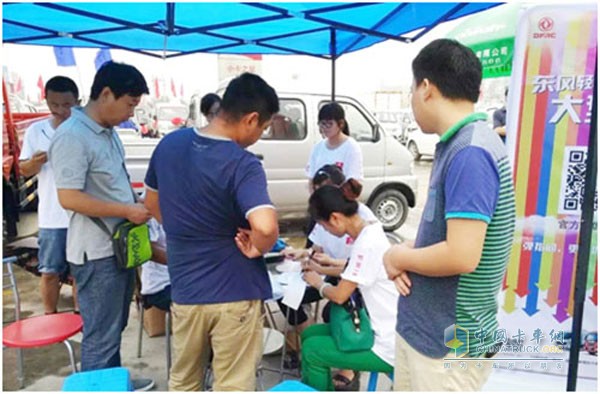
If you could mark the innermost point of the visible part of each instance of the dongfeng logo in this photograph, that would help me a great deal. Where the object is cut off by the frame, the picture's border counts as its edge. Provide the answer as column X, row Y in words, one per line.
column 546, row 26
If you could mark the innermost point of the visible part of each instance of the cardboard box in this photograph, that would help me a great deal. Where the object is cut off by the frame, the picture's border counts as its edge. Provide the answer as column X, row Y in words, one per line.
column 154, row 322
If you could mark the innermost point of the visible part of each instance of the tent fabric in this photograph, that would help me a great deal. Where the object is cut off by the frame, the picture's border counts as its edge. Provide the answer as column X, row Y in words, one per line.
column 173, row 29
column 491, row 35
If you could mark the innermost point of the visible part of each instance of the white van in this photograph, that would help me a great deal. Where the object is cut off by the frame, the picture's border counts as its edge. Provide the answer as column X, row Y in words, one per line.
column 389, row 184
column 418, row 143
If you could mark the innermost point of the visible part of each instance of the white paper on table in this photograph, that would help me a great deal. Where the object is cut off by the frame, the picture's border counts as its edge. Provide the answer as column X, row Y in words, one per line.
column 276, row 287
column 294, row 291
column 289, row 266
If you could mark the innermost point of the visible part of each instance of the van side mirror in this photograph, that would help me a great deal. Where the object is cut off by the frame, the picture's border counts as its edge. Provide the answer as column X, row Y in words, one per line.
column 376, row 133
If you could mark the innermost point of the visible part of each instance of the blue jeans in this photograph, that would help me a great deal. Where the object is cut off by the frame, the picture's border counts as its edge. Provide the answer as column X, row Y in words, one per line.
column 52, row 254
column 105, row 292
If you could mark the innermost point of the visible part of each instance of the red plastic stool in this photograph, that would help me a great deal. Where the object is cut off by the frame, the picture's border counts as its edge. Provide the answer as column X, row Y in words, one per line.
column 42, row 331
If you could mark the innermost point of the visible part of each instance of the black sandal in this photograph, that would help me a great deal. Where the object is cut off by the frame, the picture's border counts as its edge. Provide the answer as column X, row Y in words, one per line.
column 291, row 361
column 348, row 385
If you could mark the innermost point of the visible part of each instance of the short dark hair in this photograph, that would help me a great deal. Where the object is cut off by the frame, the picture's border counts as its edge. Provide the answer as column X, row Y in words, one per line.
column 207, row 102
column 329, row 199
column 451, row 67
column 61, row 84
column 334, row 111
column 122, row 79
column 249, row 93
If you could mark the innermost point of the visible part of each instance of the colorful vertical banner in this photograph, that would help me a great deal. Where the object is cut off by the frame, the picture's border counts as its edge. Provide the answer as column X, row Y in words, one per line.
column 549, row 112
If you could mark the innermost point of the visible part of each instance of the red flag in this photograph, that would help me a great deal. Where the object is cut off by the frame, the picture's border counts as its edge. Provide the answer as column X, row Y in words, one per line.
column 254, row 57
column 156, row 89
column 173, row 89
column 40, row 85
column 19, row 87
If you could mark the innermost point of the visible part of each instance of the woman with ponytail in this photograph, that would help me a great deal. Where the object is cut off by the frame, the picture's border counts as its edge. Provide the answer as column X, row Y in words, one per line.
column 327, row 256
column 336, row 210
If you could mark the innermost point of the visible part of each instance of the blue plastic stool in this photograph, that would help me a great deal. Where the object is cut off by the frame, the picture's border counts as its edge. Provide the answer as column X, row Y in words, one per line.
column 372, row 385
column 110, row 379
column 291, row 386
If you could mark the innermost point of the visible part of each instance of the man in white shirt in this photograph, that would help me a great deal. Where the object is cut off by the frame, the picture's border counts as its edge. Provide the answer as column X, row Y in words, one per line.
column 61, row 94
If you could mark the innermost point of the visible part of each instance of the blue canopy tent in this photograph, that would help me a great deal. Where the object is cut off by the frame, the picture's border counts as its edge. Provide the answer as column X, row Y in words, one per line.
column 323, row 30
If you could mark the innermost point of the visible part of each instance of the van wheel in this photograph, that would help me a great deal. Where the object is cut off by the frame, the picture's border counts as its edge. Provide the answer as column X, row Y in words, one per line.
column 414, row 150
column 390, row 206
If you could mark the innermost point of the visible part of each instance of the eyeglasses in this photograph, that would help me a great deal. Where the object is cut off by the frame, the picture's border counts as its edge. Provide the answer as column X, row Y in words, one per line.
column 326, row 124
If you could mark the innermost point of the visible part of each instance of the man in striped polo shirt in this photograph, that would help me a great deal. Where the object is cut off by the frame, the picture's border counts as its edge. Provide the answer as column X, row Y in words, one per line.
column 457, row 262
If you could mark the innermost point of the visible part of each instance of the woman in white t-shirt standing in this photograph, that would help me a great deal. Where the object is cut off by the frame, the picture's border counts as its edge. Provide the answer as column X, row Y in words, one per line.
column 337, row 212
column 337, row 147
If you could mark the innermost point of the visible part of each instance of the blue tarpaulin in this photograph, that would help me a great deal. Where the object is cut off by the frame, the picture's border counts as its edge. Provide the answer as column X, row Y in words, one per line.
column 173, row 29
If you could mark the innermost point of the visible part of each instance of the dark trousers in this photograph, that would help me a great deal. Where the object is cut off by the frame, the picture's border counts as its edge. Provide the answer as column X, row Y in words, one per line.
column 296, row 317
column 161, row 300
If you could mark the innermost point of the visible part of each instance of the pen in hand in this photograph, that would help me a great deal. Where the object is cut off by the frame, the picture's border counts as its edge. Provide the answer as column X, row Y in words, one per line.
column 312, row 253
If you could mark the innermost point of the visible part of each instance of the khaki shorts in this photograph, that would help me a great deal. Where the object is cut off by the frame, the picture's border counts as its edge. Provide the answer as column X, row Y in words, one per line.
column 232, row 331
column 414, row 371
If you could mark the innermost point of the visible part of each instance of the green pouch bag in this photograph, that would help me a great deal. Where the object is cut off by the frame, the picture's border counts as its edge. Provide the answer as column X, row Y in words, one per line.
column 350, row 327
column 131, row 243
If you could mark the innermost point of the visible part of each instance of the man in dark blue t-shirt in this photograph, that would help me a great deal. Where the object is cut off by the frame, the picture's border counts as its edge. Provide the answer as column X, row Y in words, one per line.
column 211, row 196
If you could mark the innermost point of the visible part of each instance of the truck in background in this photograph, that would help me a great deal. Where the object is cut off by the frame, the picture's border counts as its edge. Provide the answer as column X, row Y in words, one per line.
column 18, row 192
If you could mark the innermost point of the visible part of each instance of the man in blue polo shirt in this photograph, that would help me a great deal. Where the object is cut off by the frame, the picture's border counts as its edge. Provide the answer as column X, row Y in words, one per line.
column 211, row 196
column 458, row 260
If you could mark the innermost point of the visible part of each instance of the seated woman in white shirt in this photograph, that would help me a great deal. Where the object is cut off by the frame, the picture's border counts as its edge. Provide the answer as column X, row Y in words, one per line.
column 337, row 213
column 327, row 256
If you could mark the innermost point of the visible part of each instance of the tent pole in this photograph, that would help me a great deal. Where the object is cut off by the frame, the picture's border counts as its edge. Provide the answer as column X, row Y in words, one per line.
column 585, row 240
column 332, row 51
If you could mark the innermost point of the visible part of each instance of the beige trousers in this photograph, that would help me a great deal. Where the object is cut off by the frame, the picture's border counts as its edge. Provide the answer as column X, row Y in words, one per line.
column 415, row 372
column 234, row 333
